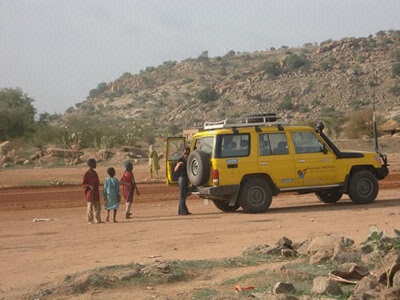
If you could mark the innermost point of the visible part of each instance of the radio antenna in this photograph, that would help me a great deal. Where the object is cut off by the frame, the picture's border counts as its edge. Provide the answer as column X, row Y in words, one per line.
column 375, row 130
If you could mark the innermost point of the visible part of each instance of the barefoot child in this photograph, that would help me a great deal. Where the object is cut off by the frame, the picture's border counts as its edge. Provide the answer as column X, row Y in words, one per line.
column 111, row 194
column 129, row 183
column 91, row 184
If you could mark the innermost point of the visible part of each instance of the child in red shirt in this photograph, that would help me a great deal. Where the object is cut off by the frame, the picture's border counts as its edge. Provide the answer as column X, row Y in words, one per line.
column 91, row 185
column 129, row 184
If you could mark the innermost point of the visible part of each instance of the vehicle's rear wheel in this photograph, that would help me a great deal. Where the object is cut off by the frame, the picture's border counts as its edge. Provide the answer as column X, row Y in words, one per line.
column 224, row 205
column 363, row 187
column 198, row 167
column 255, row 196
column 329, row 197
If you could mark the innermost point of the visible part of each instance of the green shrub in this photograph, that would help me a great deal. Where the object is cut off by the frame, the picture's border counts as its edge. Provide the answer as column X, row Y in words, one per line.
column 293, row 61
column 395, row 90
column 230, row 53
column 356, row 104
column 396, row 69
column 101, row 88
column 271, row 68
column 187, row 80
column 286, row 104
column 360, row 124
column 325, row 66
column 207, row 95
column 396, row 55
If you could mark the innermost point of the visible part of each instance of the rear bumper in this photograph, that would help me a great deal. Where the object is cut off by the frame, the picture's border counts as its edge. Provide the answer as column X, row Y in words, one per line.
column 225, row 192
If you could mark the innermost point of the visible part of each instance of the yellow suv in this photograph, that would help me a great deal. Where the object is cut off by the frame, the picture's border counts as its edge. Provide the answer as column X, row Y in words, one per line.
column 247, row 162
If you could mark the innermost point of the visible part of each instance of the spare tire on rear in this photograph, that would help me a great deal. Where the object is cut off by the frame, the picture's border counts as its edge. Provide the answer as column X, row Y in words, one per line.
column 198, row 167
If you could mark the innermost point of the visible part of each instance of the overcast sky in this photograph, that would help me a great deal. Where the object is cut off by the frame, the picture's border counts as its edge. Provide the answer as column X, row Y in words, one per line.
column 56, row 51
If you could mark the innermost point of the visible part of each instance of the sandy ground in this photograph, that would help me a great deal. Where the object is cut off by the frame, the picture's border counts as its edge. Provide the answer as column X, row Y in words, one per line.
column 36, row 254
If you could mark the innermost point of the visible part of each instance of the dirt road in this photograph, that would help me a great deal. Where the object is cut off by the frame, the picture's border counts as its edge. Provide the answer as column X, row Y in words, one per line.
column 34, row 253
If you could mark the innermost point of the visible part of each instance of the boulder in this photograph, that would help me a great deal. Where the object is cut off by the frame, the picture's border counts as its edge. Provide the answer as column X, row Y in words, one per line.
column 326, row 286
column 283, row 288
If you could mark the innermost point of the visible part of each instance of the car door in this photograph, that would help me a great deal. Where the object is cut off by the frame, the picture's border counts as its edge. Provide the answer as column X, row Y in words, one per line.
column 174, row 151
column 275, row 159
column 233, row 159
column 315, row 164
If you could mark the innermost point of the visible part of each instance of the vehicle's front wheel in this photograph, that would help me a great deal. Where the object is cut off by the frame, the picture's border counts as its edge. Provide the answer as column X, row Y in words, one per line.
column 329, row 197
column 255, row 196
column 224, row 205
column 363, row 187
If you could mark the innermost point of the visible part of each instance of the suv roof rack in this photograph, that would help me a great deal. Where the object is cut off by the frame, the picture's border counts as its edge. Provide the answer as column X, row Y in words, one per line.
column 264, row 119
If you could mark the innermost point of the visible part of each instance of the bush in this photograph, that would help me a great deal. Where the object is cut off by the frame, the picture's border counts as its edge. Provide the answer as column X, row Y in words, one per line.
column 231, row 53
column 395, row 90
column 360, row 124
column 396, row 55
column 286, row 104
column 271, row 68
column 16, row 114
column 101, row 88
column 334, row 122
column 293, row 61
column 356, row 104
column 396, row 69
column 207, row 95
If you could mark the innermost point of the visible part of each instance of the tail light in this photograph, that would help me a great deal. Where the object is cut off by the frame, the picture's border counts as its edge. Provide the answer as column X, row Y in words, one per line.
column 215, row 177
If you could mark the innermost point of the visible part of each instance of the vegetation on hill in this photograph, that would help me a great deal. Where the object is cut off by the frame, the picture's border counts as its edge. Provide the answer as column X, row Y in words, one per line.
column 338, row 82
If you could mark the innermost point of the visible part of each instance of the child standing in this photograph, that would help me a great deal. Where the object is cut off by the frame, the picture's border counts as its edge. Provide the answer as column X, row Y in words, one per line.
column 111, row 194
column 128, row 181
column 91, row 184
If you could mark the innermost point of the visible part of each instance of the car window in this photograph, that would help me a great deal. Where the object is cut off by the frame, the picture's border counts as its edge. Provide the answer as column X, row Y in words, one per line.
column 175, row 149
column 278, row 143
column 205, row 144
column 306, row 142
column 264, row 145
column 233, row 145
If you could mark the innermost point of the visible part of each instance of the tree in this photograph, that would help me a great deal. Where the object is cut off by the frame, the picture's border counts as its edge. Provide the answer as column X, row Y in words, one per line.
column 101, row 88
column 17, row 114
column 207, row 94
column 360, row 124
column 294, row 61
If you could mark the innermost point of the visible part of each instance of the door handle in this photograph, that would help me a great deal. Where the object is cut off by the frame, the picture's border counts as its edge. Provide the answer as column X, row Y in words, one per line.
column 263, row 163
column 302, row 160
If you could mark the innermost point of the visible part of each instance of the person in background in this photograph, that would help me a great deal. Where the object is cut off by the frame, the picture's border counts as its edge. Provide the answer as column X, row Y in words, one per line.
column 91, row 185
column 111, row 194
column 129, row 184
column 154, row 166
column 183, row 181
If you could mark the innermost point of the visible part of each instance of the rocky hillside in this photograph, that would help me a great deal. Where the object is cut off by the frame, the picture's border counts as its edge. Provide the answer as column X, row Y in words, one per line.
column 335, row 78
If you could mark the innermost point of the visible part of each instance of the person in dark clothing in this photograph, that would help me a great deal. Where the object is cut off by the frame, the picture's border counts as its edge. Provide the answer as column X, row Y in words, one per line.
column 183, row 181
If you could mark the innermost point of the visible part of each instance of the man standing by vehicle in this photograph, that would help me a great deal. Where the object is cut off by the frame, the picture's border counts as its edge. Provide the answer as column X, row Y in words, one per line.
column 183, row 181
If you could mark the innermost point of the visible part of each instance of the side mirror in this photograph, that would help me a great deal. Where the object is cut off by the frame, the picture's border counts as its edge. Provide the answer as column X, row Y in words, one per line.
column 320, row 127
